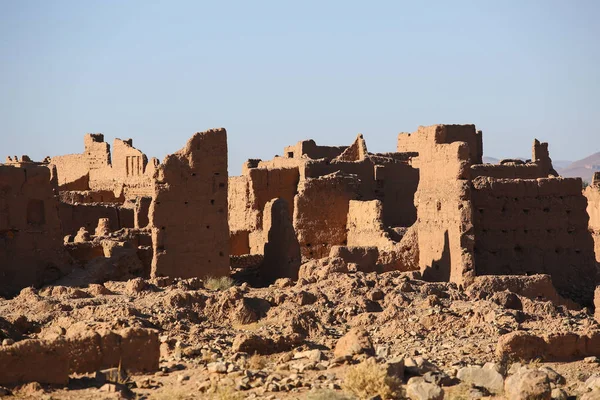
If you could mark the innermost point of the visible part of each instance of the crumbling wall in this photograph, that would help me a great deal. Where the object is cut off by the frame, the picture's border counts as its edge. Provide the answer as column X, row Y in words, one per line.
column 310, row 149
column 540, row 166
column 141, row 211
column 248, row 195
column 75, row 216
column 396, row 250
column 188, row 214
column 281, row 251
column 125, row 174
column 321, row 212
column 73, row 169
column 444, row 213
column 31, row 251
column 365, row 225
column 592, row 193
column 535, row 226
column 387, row 177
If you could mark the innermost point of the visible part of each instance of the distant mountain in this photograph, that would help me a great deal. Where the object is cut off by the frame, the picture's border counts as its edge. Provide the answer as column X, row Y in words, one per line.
column 494, row 160
column 583, row 168
column 561, row 164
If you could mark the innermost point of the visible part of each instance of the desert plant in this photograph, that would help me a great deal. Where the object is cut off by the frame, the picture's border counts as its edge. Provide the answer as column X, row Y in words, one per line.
column 327, row 395
column 226, row 393
column 369, row 379
column 220, row 283
column 257, row 362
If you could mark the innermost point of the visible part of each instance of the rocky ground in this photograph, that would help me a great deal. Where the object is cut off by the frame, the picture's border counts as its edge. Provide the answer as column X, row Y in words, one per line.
column 333, row 334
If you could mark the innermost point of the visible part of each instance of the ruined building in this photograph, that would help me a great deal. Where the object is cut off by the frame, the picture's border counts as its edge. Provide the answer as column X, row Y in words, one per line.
column 513, row 218
column 318, row 182
column 432, row 205
column 117, row 212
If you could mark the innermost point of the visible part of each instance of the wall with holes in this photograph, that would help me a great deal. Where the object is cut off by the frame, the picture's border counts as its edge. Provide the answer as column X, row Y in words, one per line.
column 445, row 153
column 321, row 212
column 188, row 214
column 31, row 251
column 534, row 226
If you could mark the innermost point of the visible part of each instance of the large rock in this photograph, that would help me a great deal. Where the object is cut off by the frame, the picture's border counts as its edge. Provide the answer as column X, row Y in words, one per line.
column 257, row 344
column 487, row 377
column 419, row 389
column 528, row 385
column 356, row 341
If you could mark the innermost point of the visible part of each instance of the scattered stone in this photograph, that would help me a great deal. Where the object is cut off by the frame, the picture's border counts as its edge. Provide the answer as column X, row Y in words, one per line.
column 418, row 389
column 217, row 367
column 486, row 377
column 356, row 341
column 528, row 385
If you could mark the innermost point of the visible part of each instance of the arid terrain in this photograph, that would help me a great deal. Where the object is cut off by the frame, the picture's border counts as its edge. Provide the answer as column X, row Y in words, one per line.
column 327, row 273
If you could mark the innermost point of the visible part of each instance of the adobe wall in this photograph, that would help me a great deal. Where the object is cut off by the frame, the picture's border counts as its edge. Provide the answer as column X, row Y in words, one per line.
column 248, row 194
column 126, row 173
column 313, row 151
column 321, row 212
column 365, row 226
column 75, row 216
column 73, row 169
column 31, row 241
column 540, row 166
column 444, row 211
column 535, row 226
column 592, row 193
column 282, row 257
column 188, row 214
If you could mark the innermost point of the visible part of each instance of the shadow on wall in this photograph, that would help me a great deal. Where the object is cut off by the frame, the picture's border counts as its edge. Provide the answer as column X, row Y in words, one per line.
column 439, row 271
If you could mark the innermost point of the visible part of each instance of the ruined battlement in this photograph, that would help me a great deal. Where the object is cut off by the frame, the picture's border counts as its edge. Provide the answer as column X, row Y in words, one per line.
column 126, row 171
column 427, row 137
column 310, row 149
column 432, row 203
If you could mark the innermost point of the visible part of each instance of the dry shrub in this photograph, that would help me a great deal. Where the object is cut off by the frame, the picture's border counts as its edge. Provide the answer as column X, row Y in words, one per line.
column 257, row 362
column 327, row 395
column 368, row 379
column 226, row 393
column 221, row 283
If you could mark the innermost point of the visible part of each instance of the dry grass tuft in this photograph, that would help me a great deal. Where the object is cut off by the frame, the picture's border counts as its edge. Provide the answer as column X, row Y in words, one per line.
column 368, row 379
column 327, row 395
column 221, row 283
column 226, row 393
column 257, row 362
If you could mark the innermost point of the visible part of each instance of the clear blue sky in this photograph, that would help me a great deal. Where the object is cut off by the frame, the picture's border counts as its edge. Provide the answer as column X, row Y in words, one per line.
column 276, row 72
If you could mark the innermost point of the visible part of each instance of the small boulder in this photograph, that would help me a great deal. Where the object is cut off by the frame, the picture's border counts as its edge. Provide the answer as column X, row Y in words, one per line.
column 528, row 385
column 418, row 389
column 486, row 377
column 356, row 341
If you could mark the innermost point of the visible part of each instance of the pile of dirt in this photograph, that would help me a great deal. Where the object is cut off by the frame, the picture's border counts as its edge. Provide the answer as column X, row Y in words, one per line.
column 172, row 338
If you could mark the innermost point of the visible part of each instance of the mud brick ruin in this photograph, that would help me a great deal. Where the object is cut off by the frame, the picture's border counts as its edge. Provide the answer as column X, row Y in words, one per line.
column 592, row 192
column 109, row 259
column 118, row 216
column 432, row 205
